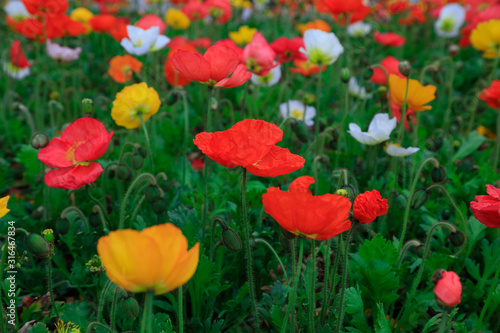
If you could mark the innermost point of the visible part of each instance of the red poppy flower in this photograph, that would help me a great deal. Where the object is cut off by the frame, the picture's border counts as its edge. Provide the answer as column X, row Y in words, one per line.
column 119, row 31
column 220, row 10
column 17, row 56
column 171, row 74
column 151, row 20
column 448, row 289
column 251, row 144
column 487, row 14
column 31, row 28
column 102, row 23
column 491, row 95
column 38, row 7
column 368, row 206
column 258, row 56
column 212, row 68
column 409, row 115
column 232, row 45
column 357, row 10
column 61, row 25
column 318, row 217
column 305, row 67
column 391, row 65
column 486, row 208
column 195, row 10
column 389, row 39
column 83, row 141
column 288, row 49
column 202, row 42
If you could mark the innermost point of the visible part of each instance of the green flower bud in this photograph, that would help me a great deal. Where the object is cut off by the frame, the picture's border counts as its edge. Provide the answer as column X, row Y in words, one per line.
column 302, row 131
column 111, row 172
column 94, row 219
column 164, row 185
column 37, row 246
column 62, row 226
column 345, row 75
column 231, row 240
column 382, row 92
column 123, row 172
column 419, row 199
column 159, row 206
column 152, row 193
column 438, row 174
column 39, row 140
column 401, row 201
column 347, row 191
column 48, row 234
column 457, row 238
column 143, row 151
column 37, row 214
column 137, row 161
column 405, row 68
column 130, row 307
column 87, row 105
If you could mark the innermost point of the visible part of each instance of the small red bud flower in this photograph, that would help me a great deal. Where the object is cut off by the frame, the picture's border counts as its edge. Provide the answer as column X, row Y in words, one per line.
column 448, row 289
column 368, row 206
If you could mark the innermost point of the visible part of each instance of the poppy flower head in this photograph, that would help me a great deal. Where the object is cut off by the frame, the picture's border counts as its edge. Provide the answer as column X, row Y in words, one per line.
column 83, row 141
column 121, row 68
column 418, row 95
column 391, row 66
column 318, row 25
column 103, row 23
column 39, row 7
column 368, row 206
column 486, row 208
column 196, row 10
column 491, row 95
column 251, row 144
column 389, row 39
column 156, row 258
column 258, row 56
column 448, row 289
column 151, row 20
column 173, row 76
column 17, row 56
column 305, row 67
column 485, row 38
column 299, row 212
column 288, row 49
column 220, row 10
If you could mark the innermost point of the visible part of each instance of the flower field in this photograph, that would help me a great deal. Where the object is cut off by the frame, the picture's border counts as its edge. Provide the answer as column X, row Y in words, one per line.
column 250, row 166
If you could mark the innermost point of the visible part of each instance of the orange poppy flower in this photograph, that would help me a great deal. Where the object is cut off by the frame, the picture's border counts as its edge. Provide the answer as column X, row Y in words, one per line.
column 318, row 24
column 318, row 217
column 251, row 144
column 305, row 67
column 121, row 68
column 418, row 95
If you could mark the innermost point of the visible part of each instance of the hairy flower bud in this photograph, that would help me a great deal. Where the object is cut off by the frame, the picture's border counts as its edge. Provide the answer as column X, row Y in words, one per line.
column 345, row 75
column 231, row 240
column 419, row 198
column 438, row 174
column 301, row 130
column 159, row 206
column 405, row 68
column 137, row 161
column 37, row 246
column 152, row 193
column 457, row 238
column 130, row 307
column 39, row 140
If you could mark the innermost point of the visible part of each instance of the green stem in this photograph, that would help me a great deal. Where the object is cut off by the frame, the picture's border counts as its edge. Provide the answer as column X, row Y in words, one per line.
column 248, row 250
column 412, row 190
column 342, row 124
column 319, row 147
column 98, row 324
column 294, row 270
column 97, row 202
column 312, row 291
column 181, row 311
column 51, row 293
column 136, row 209
column 450, row 95
column 405, row 249
column 136, row 181
column 284, row 121
column 147, row 317
column 79, row 213
column 122, row 151
column 294, row 289
column 496, row 155
column 488, row 299
column 444, row 321
column 325, row 284
column 403, row 114
column 344, row 278
column 102, row 300
column 204, row 208
column 186, row 137
column 495, row 66
column 148, row 145
column 116, row 293
column 263, row 241
column 316, row 160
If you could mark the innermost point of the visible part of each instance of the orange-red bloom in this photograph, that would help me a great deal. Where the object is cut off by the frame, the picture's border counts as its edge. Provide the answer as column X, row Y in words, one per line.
column 448, row 289
column 103, row 23
column 318, row 217
column 151, row 20
column 212, row 68
column 305, row 67
column 251, row 144
column 391, row 66
column 83, row 141
column 389, row 39
column 220, row 10
column 121, row 68
column 288, row 49
column 491, row 95
column 368, row 206
column 38, row 7
column 318, row 25
column 486, row 208
column 195, row 10
column 356, row 10
column 171, row 74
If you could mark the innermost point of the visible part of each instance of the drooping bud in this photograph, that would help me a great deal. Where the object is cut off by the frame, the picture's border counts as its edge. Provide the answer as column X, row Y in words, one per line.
column 401, row 201
column 231, row 240
column 457, row 238
column 345, row 75
column 94, row 219
column 143, row 151
column 130, row 307
column 438, row 174
column 367, row 73
column 87, row 105
column 48, row 234
column 159, row 206
column 301, row 130
column 123, row 172
column 164, row 185
column 111, row 172
column 37, row 246
column 453, row 50
column 37, row 214
column 152, row 193
column 382, row 92
column 62, row 226
column 419, row 198
column 405, row 68
column 137, row 161
column 39, row 140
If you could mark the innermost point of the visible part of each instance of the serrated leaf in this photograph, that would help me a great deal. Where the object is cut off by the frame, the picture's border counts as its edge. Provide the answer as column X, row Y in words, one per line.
column 354, row 302
column 379, row 249
column 38, row 328
column 381, row 324
column 277, row 317
column 473, row 268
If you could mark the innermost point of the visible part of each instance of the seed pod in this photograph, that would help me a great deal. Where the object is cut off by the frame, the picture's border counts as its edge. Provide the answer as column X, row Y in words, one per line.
column 419, row 199
column 137, row 161
column 37, row 214
column 401, row 201
column 87, row 105
column 302, row 131
column 347, row 191
column 159, row 206
column 48, row 234
column 438, row 174
column 39, row 140
column 231, row 240
column 94, row 219
column 123, row 172
column 405, row 68
column 37, row 246
column 287, row 234
column 62, row 226
column 130, row 307
column 345, row 75
column 457, row 238
column 152, row 193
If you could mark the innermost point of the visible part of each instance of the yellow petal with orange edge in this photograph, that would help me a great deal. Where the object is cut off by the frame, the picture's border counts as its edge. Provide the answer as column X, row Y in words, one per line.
column 184, row 270
column 3, row 206
column 132, row 260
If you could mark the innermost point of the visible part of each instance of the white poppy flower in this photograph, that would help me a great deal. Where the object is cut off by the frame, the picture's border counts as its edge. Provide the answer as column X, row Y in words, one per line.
column 394, row 149
column 359, row 29
column 379, row 130
column 58, row 52
column 356, row 90
column 142, row 41
column 16, row 10
column 270, row 79
column 451, row 18
column 321, row 47
column 299, row 111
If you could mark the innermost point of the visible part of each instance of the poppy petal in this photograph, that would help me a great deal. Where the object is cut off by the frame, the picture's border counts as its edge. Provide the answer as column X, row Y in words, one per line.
column 278, row 161
column 55, row 154
column 73, row 177
column 192, row 65
column 239, row 77
column 223, row 61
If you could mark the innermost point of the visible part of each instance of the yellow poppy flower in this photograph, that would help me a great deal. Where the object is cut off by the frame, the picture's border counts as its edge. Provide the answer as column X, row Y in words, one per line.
column 82, row 15
column 156, row 258
column 177, row 19
column 3, row 206
column 418, row 95
column 244, row 35
column 132, row 102
column 486, row 37
column 240, row 4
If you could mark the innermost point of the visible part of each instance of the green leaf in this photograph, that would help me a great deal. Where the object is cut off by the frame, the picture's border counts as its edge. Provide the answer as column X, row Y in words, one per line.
column 469, row 145
column 381, row 324
column 277, row 316
column 379, row 249
column 77, row 313
column 354, row 302
column 432, row 323
column 38, row 328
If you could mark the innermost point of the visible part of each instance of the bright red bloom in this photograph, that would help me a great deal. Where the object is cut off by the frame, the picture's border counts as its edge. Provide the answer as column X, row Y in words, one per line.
column 212, row 68
column 448, row 289
column 17, row 56
column 119, row 31
column 151, row 20
column 202, row 42
column 103, row 23
column 389, row 39
column 305, row 67
column 487, row 14
column 83, row 141
column 288, row 49
column 31, row 28
column 61, row 25
column 195, row 10
column 368, row 206
column 258, row 56
column 38, row 7
column 251, row 144
column 415, row 15
column 409, row 115
column 231, row 44
column 491, row 95
column 486, row 208
column 318, row 217
column 391, row 65
column 357, row 10
column 171, row 74
column 220, row 10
